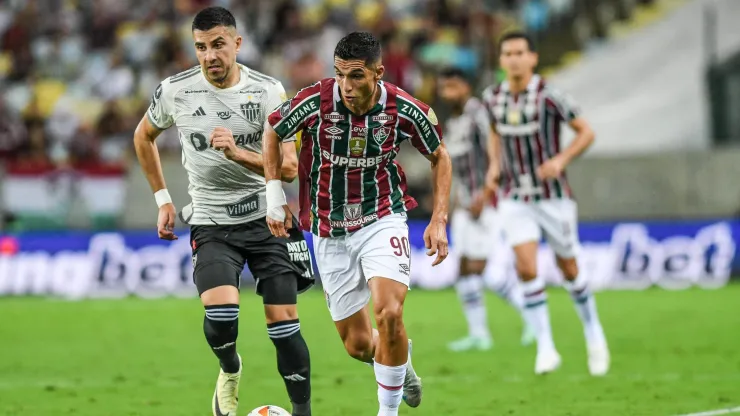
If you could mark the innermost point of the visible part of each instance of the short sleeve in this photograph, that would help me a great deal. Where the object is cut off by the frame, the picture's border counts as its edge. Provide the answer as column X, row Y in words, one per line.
column 421, row 125
column 161, row 108
column 275, row 97
column 291, row 116
column 563, row 104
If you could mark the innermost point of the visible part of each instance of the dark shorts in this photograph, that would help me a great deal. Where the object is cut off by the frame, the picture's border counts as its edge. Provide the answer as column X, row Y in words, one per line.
column 220, row 252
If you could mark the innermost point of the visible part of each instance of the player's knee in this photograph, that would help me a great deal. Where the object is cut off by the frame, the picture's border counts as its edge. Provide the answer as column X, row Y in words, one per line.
column 569, row 267
column 389, row 316
column 359, row 346
column 526, row 270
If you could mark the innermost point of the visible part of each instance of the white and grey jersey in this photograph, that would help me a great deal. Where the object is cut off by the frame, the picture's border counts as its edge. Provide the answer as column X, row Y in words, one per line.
column 222, row 191
column 466, row 137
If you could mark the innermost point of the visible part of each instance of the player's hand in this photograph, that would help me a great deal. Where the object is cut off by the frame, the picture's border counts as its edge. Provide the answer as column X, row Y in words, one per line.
column 476, row 207
column 222, row 139
column 435, row 240
column 492, row 179
column 278, row 226
column 166, row 222
column 551, row 169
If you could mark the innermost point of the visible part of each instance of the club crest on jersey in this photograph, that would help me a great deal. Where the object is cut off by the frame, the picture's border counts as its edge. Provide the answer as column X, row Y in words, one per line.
column 432, row 116
column 514, row 117
column 357, row 146
column 285, row 109
column 352, row 211
column 380, row 134
column 251, row 111
column 382, row 118
column 334, row 117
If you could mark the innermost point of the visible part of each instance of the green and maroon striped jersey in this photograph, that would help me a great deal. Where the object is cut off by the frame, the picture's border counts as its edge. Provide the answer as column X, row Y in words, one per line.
column 348, row 174
column 529, row 124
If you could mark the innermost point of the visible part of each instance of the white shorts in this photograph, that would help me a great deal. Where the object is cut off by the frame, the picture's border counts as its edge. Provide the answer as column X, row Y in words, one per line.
column 475, row 239
column 557, row 219
column 346, row 263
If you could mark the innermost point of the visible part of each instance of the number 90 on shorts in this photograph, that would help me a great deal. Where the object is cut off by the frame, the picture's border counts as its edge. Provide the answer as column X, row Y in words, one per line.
column 346, row 263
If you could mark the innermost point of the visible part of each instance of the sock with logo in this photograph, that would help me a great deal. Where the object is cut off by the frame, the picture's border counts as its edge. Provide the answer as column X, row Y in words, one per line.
column 537, row 313
column 294, row 363
column 390, row 388
column 470, row 291
column 585, row 305
column 221, row 327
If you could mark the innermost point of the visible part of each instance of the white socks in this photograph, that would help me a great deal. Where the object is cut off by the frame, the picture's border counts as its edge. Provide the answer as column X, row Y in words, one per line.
column 586, row 307
column 470, row 290
column 390, row 388
column 537, row 313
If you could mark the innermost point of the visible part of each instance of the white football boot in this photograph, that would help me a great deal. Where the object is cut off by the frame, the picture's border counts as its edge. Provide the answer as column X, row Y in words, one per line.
column 598, row 360
column 547, row 362
column 411, row 385
column 471, row 343
column 226, row 396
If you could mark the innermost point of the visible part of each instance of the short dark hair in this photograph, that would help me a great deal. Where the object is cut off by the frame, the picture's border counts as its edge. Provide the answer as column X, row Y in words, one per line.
column 358, row 45
column 517, row 35
column 454, row 72
column 211, row 17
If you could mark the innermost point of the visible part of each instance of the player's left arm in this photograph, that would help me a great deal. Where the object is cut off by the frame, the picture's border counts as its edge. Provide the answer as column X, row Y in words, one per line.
column 426, row 135
column 569, row 112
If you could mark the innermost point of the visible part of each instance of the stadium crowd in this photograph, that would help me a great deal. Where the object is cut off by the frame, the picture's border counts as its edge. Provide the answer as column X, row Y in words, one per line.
column 76, row 75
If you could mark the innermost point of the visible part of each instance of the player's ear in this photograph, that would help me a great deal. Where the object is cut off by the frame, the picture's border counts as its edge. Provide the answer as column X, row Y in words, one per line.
column 238, row 41
column 535, row 59
column 379, row 72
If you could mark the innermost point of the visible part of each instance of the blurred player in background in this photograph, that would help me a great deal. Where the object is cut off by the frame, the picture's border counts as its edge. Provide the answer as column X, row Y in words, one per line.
column 526, row 117
column 353, row 197
column 475, row 227
column 220, row 108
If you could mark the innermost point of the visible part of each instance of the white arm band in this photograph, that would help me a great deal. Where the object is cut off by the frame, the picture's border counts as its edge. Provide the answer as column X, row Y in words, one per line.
column 275, row 199
column 162, row 197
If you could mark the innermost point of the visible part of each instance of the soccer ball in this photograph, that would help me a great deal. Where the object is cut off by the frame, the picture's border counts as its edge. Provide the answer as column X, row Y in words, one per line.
column 269, row 410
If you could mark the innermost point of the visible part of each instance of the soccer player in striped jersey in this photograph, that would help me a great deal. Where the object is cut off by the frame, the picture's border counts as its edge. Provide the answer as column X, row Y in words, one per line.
column 526, row 117
column 353, row 198
column 475, row 223
column 219, row 109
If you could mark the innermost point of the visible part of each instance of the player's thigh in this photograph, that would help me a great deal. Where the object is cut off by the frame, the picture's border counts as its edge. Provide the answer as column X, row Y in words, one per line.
column 519, row 223
column 480, row 237
column 345, row 289
column 217, row 266
column 559, row 221
column 384, row 251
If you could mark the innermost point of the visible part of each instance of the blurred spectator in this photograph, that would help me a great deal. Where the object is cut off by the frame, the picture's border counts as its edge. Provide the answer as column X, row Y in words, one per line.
column 13, row 134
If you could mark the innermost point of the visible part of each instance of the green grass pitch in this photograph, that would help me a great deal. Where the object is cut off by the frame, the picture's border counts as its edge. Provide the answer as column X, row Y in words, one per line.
column 673, row 352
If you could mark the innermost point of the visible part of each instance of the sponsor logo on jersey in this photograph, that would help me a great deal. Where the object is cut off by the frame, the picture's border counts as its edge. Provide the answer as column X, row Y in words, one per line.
column 354, row 223
column 199, row 112
column 249, row 138
column 196, row 91
column 251, row 111
column 381, row 133
column 352, row 211
column 354, row 162
column 361, row 131
column 245, row 207
column 334, row 117
column 285, row 109
column 299, row 113
column 419, row 118
column 357, row 145
column 334, row 130
column 224, row 115
column 382, row 118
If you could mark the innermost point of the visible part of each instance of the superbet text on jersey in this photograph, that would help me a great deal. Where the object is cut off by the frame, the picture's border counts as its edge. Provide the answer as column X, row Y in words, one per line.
column 349, row 177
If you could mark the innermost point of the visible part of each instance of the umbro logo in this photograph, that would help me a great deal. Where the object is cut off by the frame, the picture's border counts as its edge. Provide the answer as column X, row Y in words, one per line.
column 199, row 112
column 334, row 130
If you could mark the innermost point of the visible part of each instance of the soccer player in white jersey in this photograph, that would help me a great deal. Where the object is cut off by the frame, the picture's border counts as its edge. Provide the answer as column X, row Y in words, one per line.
column 475, row 225
column 219, row 108
column 526, row 117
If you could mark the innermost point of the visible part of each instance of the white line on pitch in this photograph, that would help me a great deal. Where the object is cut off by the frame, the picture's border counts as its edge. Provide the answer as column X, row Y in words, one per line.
column 727, row 411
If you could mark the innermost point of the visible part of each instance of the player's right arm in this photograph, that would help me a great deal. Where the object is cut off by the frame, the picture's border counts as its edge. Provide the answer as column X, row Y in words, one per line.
column 156, row 120
column 283, row 123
